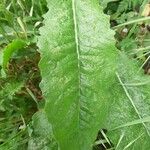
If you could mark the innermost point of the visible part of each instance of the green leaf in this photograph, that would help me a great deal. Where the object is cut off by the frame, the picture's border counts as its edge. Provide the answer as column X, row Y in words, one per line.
column 9, row 50
column 129, row 113
column 105, row 2
column 78, row 61
column 41, row 133
column 10, row 89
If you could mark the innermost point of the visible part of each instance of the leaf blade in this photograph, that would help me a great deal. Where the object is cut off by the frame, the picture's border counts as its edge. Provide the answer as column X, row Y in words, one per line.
column 76, row 63
column 123, row 110
column 8, row 51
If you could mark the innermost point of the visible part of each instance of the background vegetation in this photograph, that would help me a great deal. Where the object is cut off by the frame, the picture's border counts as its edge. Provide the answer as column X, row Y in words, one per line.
column 22, row 122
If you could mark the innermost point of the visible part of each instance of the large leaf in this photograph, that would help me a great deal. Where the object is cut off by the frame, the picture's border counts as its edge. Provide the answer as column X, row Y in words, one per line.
column 129, row 121
column 77, row 65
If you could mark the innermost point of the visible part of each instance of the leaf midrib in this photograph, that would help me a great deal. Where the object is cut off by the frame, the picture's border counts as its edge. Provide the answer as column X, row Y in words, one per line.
column 78, row 53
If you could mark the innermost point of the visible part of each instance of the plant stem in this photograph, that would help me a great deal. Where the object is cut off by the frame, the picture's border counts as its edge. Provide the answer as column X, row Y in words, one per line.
column 135, row 51
column 132, row 22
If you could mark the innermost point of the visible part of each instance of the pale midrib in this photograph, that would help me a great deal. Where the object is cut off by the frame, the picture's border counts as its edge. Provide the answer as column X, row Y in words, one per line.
column 77, row 49
column 135, row 108
column 76, row 28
